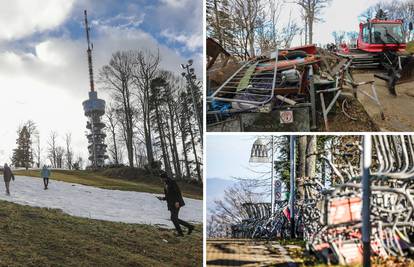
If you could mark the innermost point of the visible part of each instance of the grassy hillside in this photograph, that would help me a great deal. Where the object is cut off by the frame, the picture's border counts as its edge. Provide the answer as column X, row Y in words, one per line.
column 47, row 237
column 119, row 179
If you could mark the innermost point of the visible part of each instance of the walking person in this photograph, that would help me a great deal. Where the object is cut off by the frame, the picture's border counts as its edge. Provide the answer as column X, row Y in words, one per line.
column 174, row 202
column 45, row 173
column 7, row 175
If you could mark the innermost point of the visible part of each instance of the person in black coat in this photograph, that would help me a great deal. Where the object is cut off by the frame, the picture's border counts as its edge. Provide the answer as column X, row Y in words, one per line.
column 174, row 202
column 7, row 175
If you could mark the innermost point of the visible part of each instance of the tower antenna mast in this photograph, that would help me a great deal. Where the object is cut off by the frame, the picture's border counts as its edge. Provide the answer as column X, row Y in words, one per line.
column 94, row 109
column 90, row 47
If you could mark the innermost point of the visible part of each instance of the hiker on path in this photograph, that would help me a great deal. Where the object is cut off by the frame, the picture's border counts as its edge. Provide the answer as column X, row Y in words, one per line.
column 45, row 174
column 174, row 202
column 7, row 175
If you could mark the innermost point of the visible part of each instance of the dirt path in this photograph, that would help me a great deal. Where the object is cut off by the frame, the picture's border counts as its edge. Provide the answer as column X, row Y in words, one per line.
column 399, row 111
column 247, row 253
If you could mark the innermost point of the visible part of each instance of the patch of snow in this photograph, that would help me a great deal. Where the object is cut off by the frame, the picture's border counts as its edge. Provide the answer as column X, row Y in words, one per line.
column 96, row 203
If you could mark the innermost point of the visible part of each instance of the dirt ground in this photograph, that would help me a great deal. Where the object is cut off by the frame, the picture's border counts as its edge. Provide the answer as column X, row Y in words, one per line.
column 281, row 253
column 339, row 122
column 398, row 110
column 247, row 253
column 366, row 114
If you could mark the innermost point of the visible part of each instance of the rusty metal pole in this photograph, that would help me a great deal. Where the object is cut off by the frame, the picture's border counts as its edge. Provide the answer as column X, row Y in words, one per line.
column 292, row 186
column 366, row 194
column 272, row 177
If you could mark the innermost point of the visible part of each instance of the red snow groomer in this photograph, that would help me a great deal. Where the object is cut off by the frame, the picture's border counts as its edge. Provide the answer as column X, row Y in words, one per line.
column 379, row 35
column 382, row 45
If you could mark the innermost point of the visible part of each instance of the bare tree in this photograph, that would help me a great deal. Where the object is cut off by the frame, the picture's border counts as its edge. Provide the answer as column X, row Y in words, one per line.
column 52, row 148
column 60, row 152
column 37, row 149
column 112, row 123
column 146, row 66
column 312, row 10
column 369, row 13
column 78, row 164
column 156, row 99
column 268, row 26
column 230, row 210
column 289, row 32
column 352, row 36
column 117, row 77
column 246, row 14
column 302, row 143
column 69, row 151
column 339, row 37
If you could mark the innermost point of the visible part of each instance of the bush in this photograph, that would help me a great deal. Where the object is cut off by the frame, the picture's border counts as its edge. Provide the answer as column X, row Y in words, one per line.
column 124, row 172
column 155, row 167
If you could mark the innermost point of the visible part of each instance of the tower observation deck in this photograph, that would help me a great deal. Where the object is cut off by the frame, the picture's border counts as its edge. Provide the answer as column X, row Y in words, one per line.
column 94, row 109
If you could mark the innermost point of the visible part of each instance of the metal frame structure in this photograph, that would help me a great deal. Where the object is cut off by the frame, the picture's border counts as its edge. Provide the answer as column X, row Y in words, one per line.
column 94, row 109
column 238, row 75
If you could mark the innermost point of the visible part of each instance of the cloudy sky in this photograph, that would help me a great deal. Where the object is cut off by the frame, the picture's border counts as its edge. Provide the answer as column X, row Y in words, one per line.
column 228, row 156
column 43, row 63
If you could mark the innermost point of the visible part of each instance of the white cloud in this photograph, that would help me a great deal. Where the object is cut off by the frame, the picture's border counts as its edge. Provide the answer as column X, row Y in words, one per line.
column 175, row 3
column 20, row 18
column 181, row 21
column 121, row 21
column 192, row 42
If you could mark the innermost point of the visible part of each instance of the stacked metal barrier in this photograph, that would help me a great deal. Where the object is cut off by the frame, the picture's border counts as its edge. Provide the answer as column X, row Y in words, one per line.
column 338, row 238
column 260, row 224
column 329, row 219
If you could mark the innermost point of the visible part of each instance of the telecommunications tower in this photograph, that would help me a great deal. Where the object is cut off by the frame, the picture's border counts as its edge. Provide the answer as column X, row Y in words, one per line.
column 94, row 109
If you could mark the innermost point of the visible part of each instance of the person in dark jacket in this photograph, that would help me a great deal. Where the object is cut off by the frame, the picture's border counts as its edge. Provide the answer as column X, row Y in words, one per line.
column 174, row 202
column 45, row 173
column 7, row 175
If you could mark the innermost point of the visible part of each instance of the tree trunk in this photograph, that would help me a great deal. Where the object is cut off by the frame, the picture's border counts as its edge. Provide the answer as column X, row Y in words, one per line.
column 218, row 24
column 300, row 177
column 115, row 147
column 311, row 157
column 181, row 126
column 167, row 154
column 310, row 30
column 147, row 130
column 163, row 146
column 306, row 30
column 130, row 132
column 173, row 156
column 195, row 154
column 174, row 151
column 251, row 44
column 302, row 156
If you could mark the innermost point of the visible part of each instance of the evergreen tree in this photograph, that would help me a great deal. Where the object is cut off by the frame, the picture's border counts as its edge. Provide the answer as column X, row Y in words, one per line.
column 22, row 155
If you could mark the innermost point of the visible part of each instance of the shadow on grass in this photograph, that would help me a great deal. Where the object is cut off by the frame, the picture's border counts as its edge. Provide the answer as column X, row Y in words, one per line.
column 225, row 262
column 223, row 248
